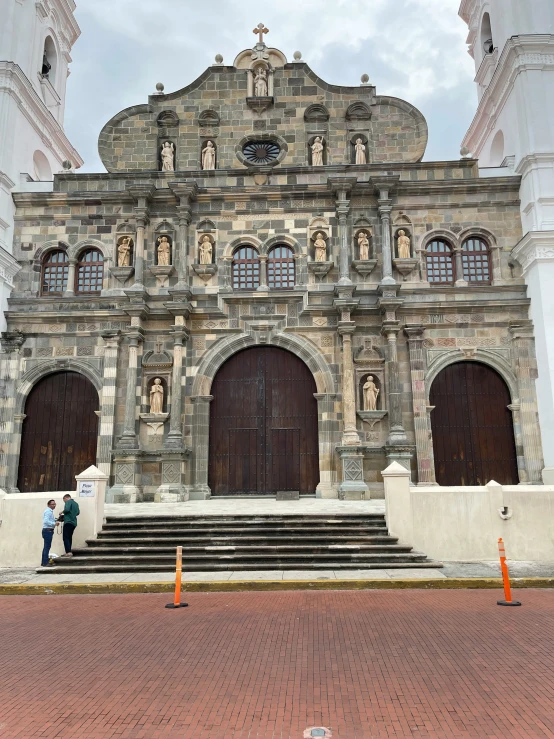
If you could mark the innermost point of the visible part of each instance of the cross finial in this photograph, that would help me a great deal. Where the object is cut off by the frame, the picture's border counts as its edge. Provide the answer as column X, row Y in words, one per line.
column 260, row 30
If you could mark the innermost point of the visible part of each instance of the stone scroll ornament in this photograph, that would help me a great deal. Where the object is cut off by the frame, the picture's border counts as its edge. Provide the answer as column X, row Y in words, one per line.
column 360, row 153
column 363, row 244
column 317, row 152
column 168, row 157
column 156, row 396
column 124, row 252
column 163, row 252
column 403, row 246
column 208, row 156
column 320, row 248
column 206, row 250
column 371, row 391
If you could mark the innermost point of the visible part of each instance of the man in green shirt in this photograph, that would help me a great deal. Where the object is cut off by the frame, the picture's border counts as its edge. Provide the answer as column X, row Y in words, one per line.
column 70, row 513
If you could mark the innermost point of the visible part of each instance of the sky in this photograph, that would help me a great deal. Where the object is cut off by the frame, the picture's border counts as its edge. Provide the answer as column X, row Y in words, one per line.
column 411, row 49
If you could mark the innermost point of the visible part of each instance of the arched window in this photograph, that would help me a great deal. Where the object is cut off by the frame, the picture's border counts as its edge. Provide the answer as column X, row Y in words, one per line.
column 246, row 268
column 90, row 272
column 280, row 268
column 54, row 273
column 49, row 60
column 476, row 261
column 486, row 35
column 440, row 263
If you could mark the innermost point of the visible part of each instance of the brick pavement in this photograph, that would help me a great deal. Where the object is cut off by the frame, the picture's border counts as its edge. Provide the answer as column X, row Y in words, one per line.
column 437, row 664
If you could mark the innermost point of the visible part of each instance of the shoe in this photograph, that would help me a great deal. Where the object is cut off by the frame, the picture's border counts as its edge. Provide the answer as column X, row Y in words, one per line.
column 68, row 554
column 48, row 565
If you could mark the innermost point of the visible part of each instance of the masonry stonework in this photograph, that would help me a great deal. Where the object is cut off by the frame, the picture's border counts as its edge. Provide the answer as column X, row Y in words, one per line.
column 181, row 322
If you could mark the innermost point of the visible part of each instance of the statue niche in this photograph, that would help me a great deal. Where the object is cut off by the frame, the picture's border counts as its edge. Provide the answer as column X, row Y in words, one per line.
column 317, row 152
column 124, row 251
column 156, row 396
column 163, row 251
column 370, row 393
column 403, row 245
column 167, row 156
column 208, row 155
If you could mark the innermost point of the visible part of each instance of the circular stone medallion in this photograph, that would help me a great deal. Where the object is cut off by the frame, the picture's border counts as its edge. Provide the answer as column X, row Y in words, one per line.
column 261, row 152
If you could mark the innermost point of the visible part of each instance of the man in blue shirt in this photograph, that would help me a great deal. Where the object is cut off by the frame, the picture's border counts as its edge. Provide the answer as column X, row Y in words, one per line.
column 48, row 525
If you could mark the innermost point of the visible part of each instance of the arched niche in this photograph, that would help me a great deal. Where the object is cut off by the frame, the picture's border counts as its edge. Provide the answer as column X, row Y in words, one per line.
column 164, row 236
column 316, row 113
column 362, row 391
column 43, row 171
column 358, row 111
column 352, row 146
column 325, row 152
column 150, row 379
column 49, row 61
column 497, row 149
column 208, row 119
column 167, row 119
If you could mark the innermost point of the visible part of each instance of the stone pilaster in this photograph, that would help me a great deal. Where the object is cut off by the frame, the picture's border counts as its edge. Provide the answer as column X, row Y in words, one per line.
column 129, row 439
column 350, row 436
column 201, row 441
column 70, row 288
column 384, row 202
column 460, row 281
column 186, row 193
column 342, row 187
column 326, row 414
column 523, row 354
column 175, row 436
column 422, row 425
column 390, row 328
column 107, row 409
column 10, row 422
column 142, row 196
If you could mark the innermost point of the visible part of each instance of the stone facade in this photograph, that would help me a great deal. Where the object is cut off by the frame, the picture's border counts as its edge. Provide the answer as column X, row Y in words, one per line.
column 345, row 318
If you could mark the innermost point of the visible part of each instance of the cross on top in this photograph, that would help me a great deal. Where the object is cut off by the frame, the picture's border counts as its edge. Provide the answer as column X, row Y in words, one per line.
column 260, row 30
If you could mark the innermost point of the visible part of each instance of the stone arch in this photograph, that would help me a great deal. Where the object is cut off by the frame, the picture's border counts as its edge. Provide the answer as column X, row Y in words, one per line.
column 225, row 348
column 484, row 356
column 231, row 246
column 48, row 246
column 358, row 111
column 208, row 118
column 284, row 239
column 68, row 364
column 482, row 233
column 438, row 234
column 496, row 156
column 316, row 113
column 167, row 119
column 73, row 252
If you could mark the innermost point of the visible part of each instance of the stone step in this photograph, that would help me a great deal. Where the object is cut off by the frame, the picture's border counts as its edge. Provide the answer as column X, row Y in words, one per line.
column 282, row 531
column 215, row 523
column 246, row 518
column 223, row 539
column 301, row 550
column 241, row 567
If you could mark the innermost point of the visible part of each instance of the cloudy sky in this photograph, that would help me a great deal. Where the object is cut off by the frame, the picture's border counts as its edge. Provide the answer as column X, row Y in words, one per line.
column 412, row 49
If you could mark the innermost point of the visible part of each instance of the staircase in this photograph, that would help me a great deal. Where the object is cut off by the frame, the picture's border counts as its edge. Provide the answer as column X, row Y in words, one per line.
column 265, row 542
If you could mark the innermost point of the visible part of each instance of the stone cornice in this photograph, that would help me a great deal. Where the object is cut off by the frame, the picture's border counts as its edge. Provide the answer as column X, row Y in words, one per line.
column 13, row 82
column 65, row 10
column 9, row 267
column 535, row 246
column 520, row 54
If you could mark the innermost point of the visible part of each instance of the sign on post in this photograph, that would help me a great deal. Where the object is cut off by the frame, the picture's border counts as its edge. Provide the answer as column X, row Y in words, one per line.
column 87, row 488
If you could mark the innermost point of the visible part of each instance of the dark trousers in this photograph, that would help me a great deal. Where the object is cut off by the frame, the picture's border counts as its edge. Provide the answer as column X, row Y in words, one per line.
column 47, row 535
column 68, row 529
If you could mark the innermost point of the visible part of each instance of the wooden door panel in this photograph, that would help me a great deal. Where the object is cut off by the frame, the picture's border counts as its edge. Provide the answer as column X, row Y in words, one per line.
column 473, row 439
column 59, row 434
column 269, row 392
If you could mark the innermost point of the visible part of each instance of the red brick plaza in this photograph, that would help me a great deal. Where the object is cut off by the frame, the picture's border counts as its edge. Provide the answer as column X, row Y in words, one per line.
column 270, row 664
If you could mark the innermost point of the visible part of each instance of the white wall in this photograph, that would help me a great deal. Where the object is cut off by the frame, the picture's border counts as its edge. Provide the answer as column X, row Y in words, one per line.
column 451, row 523
column 21, row 521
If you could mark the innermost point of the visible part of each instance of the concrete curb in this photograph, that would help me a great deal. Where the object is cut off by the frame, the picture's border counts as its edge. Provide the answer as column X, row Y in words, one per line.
column 226, row 586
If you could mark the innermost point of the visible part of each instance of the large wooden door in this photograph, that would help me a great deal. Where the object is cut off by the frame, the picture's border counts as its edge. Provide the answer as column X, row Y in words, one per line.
column 59, row 433
column 473, row 435
column 263, row 425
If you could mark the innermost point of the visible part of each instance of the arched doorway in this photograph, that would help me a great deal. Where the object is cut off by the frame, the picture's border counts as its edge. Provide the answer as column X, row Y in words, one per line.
column 263, row 425
column 60, row 433
column 473, row 434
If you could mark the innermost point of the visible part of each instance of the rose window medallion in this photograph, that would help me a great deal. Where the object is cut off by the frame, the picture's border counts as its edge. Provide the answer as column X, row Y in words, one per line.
column 261, row 152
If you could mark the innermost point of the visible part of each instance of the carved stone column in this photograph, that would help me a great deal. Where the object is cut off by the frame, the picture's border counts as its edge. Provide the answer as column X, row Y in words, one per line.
column 129, row 439
column 70, row 289
column 186, row 193
column 326, row 422
column 175, row 436
column 460, row 281
column 142, row 196
column 385, row 207
column 342, row 187
column 424, row 443
column 397, row 434
column 523, row 356
column 350, row 436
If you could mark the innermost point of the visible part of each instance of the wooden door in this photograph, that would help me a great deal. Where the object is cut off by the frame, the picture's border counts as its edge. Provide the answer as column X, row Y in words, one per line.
column 60, row 433
column 263, row 425
column 473, row 435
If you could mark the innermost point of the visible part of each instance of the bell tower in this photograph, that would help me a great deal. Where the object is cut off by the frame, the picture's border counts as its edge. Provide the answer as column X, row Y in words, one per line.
column 512, row 43
column 36, row 38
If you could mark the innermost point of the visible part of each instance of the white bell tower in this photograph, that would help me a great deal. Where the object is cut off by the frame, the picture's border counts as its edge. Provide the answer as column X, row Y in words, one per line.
column 36, row 37
column 512, row 43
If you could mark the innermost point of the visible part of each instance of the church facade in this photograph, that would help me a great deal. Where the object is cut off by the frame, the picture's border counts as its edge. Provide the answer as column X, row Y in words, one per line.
column 268, row 291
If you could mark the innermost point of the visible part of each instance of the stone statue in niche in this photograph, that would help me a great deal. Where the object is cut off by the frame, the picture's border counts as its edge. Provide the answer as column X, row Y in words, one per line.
column 124, row 252
column 260, row 83
column 360, row 152
column 403, row 245
column 205, row 250
column 320, row 248
column 371, row 391
column 168, row 157
column 164, row 252
column 156, row 396
column 208, row 156
column 317, row 152
column 363, row 243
